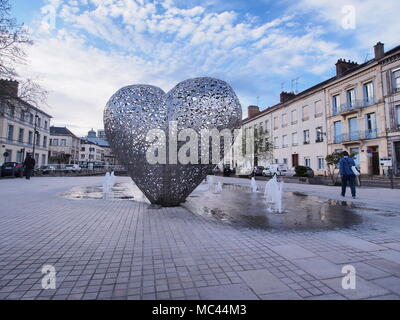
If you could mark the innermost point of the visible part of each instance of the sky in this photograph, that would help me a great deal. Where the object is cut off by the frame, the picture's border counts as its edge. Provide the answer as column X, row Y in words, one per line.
column 85, row 50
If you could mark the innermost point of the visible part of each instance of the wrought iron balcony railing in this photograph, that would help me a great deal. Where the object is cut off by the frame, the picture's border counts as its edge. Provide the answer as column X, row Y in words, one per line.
column 355, row 105
column 355, row 136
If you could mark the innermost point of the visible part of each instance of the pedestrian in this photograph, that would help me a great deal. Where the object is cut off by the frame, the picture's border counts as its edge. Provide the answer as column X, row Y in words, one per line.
column 29, row 165
column 347, row 174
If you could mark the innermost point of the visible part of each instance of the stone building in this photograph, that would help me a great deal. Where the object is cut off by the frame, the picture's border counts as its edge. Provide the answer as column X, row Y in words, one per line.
column 90, row 154
column 390, row 64
column 357, row 110
column 23, row 127
column 64, row 146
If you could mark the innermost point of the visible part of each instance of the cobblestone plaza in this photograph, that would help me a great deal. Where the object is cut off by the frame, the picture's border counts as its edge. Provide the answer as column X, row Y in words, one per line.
column 105, row 249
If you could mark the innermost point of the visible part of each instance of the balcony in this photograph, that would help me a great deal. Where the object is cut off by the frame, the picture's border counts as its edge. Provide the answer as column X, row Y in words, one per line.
column 355, row 136
column 347, row 108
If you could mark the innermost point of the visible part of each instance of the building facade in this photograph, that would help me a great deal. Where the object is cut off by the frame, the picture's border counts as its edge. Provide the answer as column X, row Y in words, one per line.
column 23, row 128
column 64, row 146
column 357, row 110
column 390, row 65
column 90, row 154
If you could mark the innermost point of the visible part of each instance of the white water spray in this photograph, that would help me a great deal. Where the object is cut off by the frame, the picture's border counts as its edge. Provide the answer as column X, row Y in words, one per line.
column 273, row 194
column 253, row 184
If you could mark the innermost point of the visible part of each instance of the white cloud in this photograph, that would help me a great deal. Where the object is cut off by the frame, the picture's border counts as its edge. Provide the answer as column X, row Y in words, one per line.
column 113, row 43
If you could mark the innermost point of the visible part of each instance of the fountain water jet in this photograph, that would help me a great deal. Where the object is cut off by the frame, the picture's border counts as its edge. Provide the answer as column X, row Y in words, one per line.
column 273, row 193
column 218, row 188
column 253, row 184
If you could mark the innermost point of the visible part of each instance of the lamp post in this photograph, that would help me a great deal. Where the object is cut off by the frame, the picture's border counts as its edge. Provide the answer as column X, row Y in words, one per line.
column 34, row 136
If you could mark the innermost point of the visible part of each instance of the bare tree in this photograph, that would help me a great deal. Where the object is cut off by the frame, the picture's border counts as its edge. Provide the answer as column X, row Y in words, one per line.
column 13, row 40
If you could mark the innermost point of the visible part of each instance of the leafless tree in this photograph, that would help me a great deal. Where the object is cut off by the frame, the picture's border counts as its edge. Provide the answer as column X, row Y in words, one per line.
column 14, row 38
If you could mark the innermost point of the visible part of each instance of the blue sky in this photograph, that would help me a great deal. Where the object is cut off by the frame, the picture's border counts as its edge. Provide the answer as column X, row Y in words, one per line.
column 97, row 46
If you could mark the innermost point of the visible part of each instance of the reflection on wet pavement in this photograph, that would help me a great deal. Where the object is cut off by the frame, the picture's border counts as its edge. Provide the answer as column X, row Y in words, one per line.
column 121, row 191
column 239, row 207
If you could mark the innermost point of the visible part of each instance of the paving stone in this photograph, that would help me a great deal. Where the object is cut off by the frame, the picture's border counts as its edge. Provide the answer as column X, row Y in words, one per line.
column 319, row 267
column 364, row 289
column 227, row 292
column 292, row 251
column 368, row 272
column 263, row 282
column 390, row 283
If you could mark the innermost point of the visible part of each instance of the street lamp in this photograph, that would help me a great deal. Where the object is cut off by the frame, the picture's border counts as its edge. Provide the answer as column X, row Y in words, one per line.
column 35, row 132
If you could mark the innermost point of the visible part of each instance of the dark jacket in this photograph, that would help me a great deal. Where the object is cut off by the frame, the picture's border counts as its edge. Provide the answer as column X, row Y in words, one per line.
column 345, row 165
column 29, row 163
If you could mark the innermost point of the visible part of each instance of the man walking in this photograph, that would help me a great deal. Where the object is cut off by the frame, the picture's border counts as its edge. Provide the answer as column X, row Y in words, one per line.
column 29, row 165
column 347, row 174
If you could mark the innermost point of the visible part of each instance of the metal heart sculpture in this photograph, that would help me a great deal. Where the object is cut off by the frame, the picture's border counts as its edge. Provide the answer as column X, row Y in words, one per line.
column 200, row 103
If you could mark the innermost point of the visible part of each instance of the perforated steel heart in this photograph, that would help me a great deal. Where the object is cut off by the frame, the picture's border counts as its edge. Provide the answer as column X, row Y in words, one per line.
column 198, row 104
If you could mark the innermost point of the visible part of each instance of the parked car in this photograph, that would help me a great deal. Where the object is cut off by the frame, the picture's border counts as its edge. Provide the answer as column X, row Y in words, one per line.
column 12, row 169
column 257, row 171
column 228, row 171
column 72, row 168
column 47, row 169
column 278, row 169
column 303, row 171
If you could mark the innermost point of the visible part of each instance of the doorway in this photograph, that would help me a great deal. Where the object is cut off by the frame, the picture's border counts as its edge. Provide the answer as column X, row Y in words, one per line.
column 295, row 160
column 375, row 170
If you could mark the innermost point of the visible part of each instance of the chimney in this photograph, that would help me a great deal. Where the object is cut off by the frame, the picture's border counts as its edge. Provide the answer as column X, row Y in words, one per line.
column 9, row 88
column 252, row 111
column 379, row 50
column 342, row 66
column 285, row 96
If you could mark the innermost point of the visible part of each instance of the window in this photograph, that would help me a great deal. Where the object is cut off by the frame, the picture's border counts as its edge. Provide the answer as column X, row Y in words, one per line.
column 319, row 135
column 83, row 149
column 30, row 137
column 284, row 120
column 318, row 108
column 294, row 116
column 38, row 139
column 43, row 159
column 39, row 122
column 284, row 141
column 276, row 142
column 8, row 155
column 82, row 156
column 396, row 80
column 285, row 161
column 22, row 115
column 335, row 104
column 306, row 136
column 10, row 132
column 266, row 125
column 306, row 116
column 44, row 142
column 337, row 127
column 276, row 161
column 353, row 129
column 21, row 135
column 63, row 142
column 370, row 125
column 356, row 153
column 368, row 93
column 31, row 118
column 46, row 124
column 321, row 163
column 295, row 140
column 20, row 156
column 307, row 162
column 11, row 111
column 276, row 123
column 398, row 115
column 351, row 98
column 55, row 142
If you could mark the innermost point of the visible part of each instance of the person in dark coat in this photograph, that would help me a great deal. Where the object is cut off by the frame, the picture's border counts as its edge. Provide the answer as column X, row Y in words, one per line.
column 347, row 174
column 29, row 165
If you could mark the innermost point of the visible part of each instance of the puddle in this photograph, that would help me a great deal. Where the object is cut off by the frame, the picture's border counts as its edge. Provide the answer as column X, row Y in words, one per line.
column 121, row 191
column 239, row 207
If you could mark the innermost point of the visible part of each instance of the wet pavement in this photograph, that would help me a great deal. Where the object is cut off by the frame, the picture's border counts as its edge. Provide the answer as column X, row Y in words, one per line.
column 123, row 248
column 240, row 207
